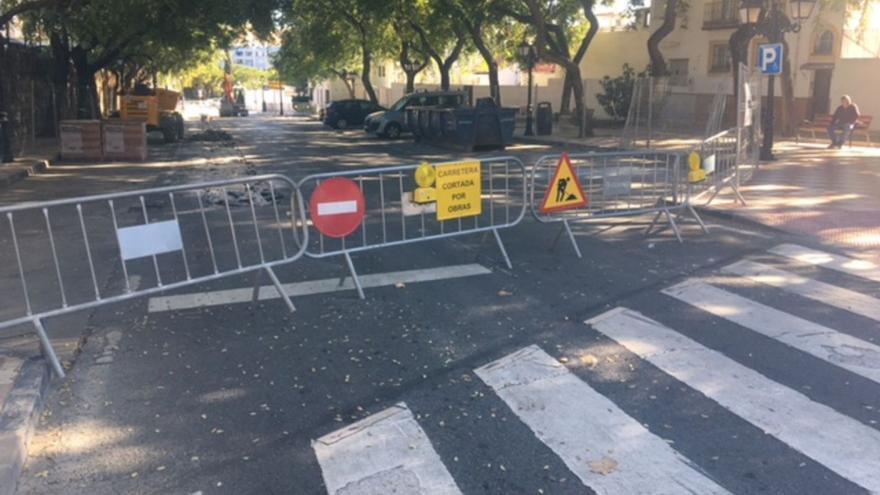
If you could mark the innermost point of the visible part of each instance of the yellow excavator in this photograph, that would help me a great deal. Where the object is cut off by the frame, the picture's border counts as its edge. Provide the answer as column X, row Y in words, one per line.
column 156, row 107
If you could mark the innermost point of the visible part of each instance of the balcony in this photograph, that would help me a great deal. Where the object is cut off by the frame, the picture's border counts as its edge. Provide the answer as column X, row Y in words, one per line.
column 722, row 14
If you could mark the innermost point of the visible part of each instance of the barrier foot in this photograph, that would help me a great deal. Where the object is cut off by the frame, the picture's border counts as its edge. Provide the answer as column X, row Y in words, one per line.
column 48, row 351
column 354, row 276
column 650, row 229
column 280, row 289
column 502, row 249
column 574, row 243
column 739, row 196
column 698, row 218
column 673, row 225
column 256, row 294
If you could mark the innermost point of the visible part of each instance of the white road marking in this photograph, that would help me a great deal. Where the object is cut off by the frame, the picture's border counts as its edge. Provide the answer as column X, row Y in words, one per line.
column 831, row 295
column 337, row 208
column 243, row 295
column 387, row 452
column 840, row 349
column 859, row 268
column 588, row 431
column 839, row 442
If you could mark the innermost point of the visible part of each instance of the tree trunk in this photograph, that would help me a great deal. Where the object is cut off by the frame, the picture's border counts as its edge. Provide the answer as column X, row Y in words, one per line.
column 444, row 77
column 565, row 102
column 788, row 102
column 475, row 28
column 658, row 63
column 410, row 82
column 738, row 44
column 365, row 73
column 6, row 154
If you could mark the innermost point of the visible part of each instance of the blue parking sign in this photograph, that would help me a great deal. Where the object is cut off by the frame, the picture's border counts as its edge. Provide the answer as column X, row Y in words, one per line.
column 770, row 59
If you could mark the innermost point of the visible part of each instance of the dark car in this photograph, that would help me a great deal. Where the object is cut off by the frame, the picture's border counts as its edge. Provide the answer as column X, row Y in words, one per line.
column 343, row 113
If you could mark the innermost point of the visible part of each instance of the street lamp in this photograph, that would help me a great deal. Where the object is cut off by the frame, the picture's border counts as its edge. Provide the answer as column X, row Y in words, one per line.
column 527, row 54
column 773, row 26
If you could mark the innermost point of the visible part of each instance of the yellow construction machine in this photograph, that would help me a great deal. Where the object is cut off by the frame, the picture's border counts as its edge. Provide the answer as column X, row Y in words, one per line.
column 156, row 107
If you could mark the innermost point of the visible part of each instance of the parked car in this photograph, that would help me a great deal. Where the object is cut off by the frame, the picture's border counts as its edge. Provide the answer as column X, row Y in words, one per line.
column 390, row 123
column 302, row 105
column 343, row 113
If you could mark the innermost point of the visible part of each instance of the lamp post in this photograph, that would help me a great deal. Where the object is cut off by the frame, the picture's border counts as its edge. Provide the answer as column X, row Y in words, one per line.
column 527, row 54
column 773, row 26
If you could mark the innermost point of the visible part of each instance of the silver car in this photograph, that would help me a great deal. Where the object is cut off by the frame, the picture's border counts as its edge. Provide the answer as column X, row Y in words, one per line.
column 390, row 123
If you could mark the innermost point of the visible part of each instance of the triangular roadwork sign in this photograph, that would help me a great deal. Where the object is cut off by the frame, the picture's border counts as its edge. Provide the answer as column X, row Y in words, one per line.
column 564, row 191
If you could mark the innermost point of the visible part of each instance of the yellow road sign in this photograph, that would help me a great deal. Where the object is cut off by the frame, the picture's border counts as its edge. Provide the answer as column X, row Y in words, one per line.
column 564, row 192
column 696, row 173
column 458, row 190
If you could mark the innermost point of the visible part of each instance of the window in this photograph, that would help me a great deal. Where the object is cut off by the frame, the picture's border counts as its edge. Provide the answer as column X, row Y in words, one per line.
column 824, row 43
column 678, row 72
column 719, row 58
column 381, row 71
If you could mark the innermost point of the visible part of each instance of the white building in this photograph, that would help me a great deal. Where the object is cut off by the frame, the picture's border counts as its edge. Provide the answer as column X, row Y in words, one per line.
column 254, row 55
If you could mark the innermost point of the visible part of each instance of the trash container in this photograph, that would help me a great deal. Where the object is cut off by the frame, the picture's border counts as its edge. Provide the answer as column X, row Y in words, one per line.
column 544, row 118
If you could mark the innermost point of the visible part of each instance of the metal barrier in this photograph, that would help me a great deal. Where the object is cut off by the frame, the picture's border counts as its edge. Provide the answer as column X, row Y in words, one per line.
column 720, row 159
column 393, row 219
column 619, row 184
column 73, row 254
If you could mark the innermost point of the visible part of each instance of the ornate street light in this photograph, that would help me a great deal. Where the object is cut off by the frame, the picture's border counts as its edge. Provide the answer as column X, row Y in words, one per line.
column 750, row 11
column 801, row 10
column 528, row 55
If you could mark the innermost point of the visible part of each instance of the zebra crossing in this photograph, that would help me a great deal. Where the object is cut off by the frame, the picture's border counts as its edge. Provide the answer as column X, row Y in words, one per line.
column 599, row 439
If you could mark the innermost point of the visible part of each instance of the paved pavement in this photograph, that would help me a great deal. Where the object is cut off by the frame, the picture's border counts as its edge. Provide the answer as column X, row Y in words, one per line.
column 744, row 361
column 832, row 195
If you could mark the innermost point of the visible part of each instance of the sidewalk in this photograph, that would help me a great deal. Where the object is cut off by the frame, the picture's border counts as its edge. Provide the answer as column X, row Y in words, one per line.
column 607, row 139
column 833, row 195
column 32, row 162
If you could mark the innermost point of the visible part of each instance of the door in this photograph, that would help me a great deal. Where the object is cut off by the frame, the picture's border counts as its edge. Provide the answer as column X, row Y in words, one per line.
column 821, row 92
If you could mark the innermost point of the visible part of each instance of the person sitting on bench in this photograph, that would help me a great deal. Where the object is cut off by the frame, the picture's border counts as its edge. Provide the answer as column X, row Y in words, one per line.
column 842, row 122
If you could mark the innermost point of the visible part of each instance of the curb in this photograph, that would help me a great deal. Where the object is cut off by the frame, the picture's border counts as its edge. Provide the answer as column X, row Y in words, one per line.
column 18, row 418
column 14, row 172
column 734, row 217
column 555, row 142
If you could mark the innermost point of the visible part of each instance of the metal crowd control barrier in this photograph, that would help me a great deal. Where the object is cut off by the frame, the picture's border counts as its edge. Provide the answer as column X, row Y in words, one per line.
column 720, row 159
column 73, row 254
column 618, row 184
column 392, row 219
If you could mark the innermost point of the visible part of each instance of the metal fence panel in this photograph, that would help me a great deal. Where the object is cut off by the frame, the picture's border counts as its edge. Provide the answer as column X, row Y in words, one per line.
column 616, row 185
column 67, row 255
column 720, row 160
column 392, row 219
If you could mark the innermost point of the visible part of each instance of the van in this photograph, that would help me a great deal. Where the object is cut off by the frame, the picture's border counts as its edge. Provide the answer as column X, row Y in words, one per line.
column 390, row 123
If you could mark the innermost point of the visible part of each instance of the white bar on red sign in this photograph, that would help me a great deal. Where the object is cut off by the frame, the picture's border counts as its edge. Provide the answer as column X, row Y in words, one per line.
column 337, row 208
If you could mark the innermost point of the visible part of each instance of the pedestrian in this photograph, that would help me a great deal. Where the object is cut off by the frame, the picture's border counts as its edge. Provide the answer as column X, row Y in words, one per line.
column 842, row 122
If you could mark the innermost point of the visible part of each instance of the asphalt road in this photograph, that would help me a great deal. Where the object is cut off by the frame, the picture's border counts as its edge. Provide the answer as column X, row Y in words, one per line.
column 757, row 377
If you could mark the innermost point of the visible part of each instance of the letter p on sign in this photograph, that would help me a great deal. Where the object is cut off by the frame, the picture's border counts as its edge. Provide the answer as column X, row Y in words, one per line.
column 770, row 59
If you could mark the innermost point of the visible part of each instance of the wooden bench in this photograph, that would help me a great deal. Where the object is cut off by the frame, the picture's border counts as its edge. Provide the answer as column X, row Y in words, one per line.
column 821, row 122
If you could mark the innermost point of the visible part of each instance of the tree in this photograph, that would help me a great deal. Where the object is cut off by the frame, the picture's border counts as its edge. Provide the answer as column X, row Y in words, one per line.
column 670, row 13
column 617, row 93
column 476, row 17
column 551, row 23
column 406, row 39
column 361, row 24
column 441, row 36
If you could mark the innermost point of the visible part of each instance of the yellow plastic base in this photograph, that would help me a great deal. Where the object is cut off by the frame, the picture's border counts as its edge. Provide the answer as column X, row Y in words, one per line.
column 424, row 195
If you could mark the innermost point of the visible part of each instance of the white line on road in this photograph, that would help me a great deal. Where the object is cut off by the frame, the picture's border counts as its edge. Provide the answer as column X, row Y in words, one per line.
column 839, row 442
column 387, row 452
column 840, row 349
column 337, row 208
column 607, row 449
column 243, row 295
column 831, row 295
column 859, row 268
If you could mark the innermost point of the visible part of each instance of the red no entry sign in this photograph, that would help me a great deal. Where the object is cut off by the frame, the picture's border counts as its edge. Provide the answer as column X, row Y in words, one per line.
column 337, row 207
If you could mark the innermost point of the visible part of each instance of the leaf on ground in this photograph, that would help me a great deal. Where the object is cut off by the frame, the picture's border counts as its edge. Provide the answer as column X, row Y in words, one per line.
column 589, row 360
column 603, row 466
column 504, row 293
column 400, row 285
